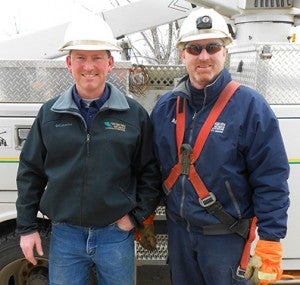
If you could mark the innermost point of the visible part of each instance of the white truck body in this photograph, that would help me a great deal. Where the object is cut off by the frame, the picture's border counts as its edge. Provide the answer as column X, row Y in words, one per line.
column 262, row 58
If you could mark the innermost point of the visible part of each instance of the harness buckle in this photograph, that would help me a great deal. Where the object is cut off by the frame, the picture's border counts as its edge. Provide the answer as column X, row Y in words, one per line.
column 166, row 189
column 208, row 201
column 240, row 272
column 186, row 150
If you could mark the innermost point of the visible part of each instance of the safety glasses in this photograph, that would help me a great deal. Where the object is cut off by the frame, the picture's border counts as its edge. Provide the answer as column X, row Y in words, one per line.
column 211, row 48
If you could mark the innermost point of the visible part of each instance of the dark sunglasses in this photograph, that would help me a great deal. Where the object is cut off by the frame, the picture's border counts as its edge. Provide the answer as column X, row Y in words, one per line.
column 211, row 48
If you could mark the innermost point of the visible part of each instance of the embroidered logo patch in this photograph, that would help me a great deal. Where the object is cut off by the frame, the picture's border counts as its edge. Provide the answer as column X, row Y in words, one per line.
column 218, row 127
column 115, row 126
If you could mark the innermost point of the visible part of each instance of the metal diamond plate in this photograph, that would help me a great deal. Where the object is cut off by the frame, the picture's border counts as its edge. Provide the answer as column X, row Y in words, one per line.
column 272, row 69
column 160, row 212
column 158, row 256
column 24, row 81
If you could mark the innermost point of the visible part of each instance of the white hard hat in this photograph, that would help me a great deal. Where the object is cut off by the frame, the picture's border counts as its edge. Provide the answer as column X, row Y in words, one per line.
column 89, row 33
column 203, row 23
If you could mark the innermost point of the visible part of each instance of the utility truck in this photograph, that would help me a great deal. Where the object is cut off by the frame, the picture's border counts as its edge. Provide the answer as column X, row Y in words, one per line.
column 264, row 56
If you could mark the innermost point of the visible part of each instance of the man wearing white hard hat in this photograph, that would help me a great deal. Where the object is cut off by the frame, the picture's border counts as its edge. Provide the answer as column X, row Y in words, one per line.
column 88, row 165
column 224, row 167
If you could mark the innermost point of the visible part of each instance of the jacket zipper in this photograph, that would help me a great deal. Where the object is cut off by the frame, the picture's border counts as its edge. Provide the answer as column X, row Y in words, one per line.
column 183, row 180
column 88, row 139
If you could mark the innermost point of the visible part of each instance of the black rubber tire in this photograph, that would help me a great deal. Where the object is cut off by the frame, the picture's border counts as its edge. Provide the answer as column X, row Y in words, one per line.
column 14, row 269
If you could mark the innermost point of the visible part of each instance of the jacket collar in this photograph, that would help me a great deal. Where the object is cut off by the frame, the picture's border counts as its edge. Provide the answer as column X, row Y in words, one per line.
column 211, row 91
column 116, row 101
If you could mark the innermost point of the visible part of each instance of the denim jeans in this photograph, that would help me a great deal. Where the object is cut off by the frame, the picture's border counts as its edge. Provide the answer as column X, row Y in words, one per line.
column 74, row 250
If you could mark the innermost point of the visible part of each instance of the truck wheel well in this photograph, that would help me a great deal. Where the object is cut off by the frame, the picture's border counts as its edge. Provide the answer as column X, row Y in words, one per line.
column 9, row 226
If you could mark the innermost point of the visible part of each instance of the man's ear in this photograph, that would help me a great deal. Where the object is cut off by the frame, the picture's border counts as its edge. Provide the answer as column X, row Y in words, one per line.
column 68, row 61
column 182, row 55
column 111, row 63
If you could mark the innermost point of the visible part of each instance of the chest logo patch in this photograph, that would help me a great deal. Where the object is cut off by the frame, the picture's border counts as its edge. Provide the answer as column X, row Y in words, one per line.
column 218, row 127
column 115, row 126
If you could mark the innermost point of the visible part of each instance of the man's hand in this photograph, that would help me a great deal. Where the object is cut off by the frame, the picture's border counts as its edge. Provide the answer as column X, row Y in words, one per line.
column 265, row 266
column 125, row 223
column 30, row 242
column 146, row 236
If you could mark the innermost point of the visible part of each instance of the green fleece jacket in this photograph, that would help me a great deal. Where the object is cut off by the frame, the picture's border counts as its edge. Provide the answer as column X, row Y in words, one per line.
column 88, row 178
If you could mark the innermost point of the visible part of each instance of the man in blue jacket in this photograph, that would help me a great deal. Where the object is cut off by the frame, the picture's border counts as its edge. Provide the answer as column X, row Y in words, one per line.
column 241, row 172
column 88, row 165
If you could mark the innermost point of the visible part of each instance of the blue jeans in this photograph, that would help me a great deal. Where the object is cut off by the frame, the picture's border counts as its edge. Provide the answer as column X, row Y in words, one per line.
column 74, row 250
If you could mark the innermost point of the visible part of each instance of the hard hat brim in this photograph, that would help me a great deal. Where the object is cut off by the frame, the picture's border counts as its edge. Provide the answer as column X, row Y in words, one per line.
column 203, row 36
column 89, row 45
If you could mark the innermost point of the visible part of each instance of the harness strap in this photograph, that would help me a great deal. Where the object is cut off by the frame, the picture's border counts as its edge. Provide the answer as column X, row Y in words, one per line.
column 241, row 270
column 186, row 159
column 224, row 97
column 188, row 156
column 242, row 226
column 180, row 121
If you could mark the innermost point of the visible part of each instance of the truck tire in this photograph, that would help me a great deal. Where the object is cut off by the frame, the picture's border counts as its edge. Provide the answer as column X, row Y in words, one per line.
column 15, row 269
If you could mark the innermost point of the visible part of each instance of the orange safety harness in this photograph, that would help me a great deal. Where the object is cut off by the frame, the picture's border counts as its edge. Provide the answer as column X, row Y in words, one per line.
column 185, row 166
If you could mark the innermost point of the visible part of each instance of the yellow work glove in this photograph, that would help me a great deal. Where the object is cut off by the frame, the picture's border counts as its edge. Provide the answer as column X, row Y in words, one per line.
column 146, row 236
column 265, row 266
